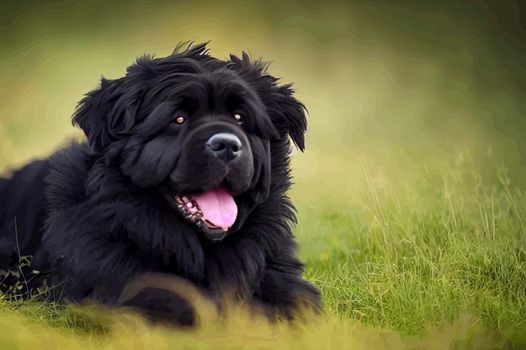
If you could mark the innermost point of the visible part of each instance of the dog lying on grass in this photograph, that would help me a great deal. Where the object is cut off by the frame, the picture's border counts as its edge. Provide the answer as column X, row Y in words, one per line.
column 185, row 174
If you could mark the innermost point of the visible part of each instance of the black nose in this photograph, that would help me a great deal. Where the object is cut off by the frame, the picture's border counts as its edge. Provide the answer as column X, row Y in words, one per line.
column 225, row 146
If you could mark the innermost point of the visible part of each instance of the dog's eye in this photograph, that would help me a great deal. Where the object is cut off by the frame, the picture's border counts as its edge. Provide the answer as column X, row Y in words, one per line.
column 180, row 120
column 238, row 118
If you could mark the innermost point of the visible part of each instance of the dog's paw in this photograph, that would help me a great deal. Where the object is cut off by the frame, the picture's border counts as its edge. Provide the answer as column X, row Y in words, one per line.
column 168, row 298
column 163, row 305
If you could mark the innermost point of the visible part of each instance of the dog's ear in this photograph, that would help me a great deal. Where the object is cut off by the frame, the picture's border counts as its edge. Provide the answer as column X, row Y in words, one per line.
column 288, row 114
column 105, row 113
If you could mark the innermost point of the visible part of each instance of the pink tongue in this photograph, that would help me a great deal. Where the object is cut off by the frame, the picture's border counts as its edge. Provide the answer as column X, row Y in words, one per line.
column 218, row 207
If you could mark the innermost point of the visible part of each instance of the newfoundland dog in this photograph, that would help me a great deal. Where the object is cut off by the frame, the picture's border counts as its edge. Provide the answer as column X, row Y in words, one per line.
column 184, row 175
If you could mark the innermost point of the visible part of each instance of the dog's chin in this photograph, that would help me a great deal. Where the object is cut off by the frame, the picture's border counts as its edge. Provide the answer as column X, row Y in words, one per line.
column 213, row 212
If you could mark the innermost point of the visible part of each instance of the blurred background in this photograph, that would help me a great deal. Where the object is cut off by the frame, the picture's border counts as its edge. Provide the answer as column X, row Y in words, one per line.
column 395, row 89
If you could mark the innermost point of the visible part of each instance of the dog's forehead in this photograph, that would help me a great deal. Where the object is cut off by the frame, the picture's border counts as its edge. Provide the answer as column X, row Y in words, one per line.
column 210, row 91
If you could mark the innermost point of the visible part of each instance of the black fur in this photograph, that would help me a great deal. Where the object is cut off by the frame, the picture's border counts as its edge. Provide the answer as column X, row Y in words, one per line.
column 107, row 217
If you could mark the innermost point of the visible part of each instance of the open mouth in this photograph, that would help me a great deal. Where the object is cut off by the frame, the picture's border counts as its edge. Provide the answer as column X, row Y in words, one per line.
column 213, row 211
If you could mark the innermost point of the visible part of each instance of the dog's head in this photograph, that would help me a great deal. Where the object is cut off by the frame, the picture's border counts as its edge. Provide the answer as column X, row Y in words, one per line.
column 197, row 130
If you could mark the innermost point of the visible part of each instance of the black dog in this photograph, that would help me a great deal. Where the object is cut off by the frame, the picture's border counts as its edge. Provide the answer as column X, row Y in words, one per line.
column 185, row 173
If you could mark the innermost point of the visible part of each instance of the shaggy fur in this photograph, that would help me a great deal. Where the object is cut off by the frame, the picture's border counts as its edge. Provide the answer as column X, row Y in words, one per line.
column 97, row 216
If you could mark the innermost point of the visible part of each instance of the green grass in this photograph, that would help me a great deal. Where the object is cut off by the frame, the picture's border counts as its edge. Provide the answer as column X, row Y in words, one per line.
column 437, row 264
column 386, row 264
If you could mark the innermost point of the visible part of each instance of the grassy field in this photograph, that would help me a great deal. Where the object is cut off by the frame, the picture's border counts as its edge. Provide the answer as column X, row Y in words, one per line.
column 439, row 264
